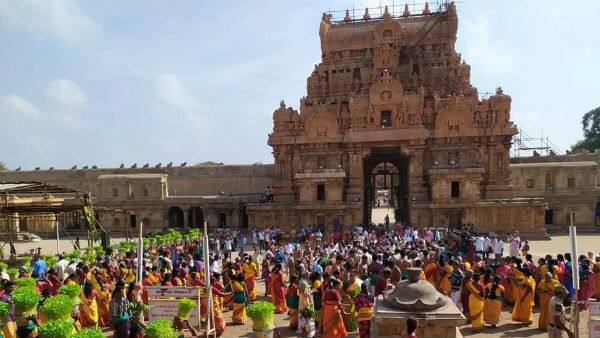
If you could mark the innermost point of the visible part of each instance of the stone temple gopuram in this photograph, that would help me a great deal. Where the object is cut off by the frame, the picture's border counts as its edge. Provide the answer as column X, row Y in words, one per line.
column 391, row 106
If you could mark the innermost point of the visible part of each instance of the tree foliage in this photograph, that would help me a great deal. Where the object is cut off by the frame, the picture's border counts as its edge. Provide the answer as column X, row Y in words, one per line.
column 209, row 164
column 3, row 167
column 590, row 122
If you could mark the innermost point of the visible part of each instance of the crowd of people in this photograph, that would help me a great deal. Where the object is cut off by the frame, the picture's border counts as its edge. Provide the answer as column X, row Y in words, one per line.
column 326, row 283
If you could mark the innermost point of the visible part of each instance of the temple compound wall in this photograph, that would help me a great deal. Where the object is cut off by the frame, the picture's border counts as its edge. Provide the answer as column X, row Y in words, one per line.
column 159, row 197
column 391, row 108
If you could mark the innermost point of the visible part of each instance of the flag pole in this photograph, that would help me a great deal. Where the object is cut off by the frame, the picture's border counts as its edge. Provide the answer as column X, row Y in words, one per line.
column 575, row 273
column 140, row 253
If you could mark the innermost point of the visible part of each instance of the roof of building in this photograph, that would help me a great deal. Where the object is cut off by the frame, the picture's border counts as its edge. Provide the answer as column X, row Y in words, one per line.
column 554, row 164
column 34, row 188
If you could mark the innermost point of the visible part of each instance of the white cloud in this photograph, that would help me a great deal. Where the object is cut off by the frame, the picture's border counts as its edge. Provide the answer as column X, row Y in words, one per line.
column 482, row 50
column 61, row 19
column 67, row 94
column 71, row 100
column 14, row 104
column 172, row 91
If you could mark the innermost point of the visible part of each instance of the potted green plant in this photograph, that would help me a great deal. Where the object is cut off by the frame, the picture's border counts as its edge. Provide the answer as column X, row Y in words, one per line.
column 26, row 300
column 4, row 308
column 57, row 307
column 59, row 328
column 161, row 328
column 185, row 308
column 90, row 332
column 308, row 326
column 263, row 320
column 25, row 281
column 12, row 273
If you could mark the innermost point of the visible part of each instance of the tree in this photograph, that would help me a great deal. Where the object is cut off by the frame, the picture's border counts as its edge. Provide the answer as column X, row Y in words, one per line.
column 590, row 122
column 209, row 164
column 3, row 167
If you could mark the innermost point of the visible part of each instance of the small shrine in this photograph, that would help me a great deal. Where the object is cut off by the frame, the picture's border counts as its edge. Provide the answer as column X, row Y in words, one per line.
column 437, row 315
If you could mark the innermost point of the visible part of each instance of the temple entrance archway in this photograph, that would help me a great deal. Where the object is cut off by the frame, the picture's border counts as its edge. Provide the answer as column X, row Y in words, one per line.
column 385, row 187
column 175, row 217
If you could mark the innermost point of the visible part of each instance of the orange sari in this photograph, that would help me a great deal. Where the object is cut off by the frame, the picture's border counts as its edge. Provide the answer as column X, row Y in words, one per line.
column 333, row 323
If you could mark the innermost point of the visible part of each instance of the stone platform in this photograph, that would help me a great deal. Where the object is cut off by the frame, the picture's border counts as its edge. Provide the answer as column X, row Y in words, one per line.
column 439, row 323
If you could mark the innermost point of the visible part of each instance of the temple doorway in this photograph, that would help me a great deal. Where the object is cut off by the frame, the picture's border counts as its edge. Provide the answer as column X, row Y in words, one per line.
column 175, row 217
column 196, row 217
column 385, row 188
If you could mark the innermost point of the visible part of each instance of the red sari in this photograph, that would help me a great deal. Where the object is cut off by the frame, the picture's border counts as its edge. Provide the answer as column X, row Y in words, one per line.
column 278, row 292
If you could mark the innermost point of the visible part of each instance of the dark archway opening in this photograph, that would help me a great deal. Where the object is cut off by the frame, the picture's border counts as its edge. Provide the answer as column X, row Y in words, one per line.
column 385, row 182
column 196, row 217
column 222, row 220
column 175, row 217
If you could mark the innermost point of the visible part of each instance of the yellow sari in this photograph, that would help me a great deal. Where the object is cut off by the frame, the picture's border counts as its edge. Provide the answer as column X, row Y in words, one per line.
column 522, row 312
column 492, row 307
column 250, row 273
column 475, row 305
column 444, row 285
column 545, row 292
column 239, row 303
column 88, row 311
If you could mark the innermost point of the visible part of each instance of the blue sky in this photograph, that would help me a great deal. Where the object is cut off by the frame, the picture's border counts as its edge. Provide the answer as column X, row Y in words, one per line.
column 110, row 82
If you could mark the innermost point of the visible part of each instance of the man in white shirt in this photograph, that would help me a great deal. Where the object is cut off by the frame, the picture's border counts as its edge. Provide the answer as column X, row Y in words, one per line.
column 487, row 245
column 227, row 245
column 479, row 240
column 499, row 248
column 60, row 267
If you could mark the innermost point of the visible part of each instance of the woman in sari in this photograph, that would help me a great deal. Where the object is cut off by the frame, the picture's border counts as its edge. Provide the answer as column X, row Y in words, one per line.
column 464, row 292
column 515, row 278
column 103, row 303
column 293, row 299
column 568, row 276
column 587, row 288
column 545, row 291
column 10, row 326
column 250, row 273
column 350, row 292
column 364, row 307
column 596, row 271
column 317, row 294
column 333, row 324
column 492, row 307
column 239, row 300
column 445, row 270
column 522, row 312
column 476, row 301
column 218, row 306
column 278, row 290
column 266, row 274
column 431, row 270
column 89, row 307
